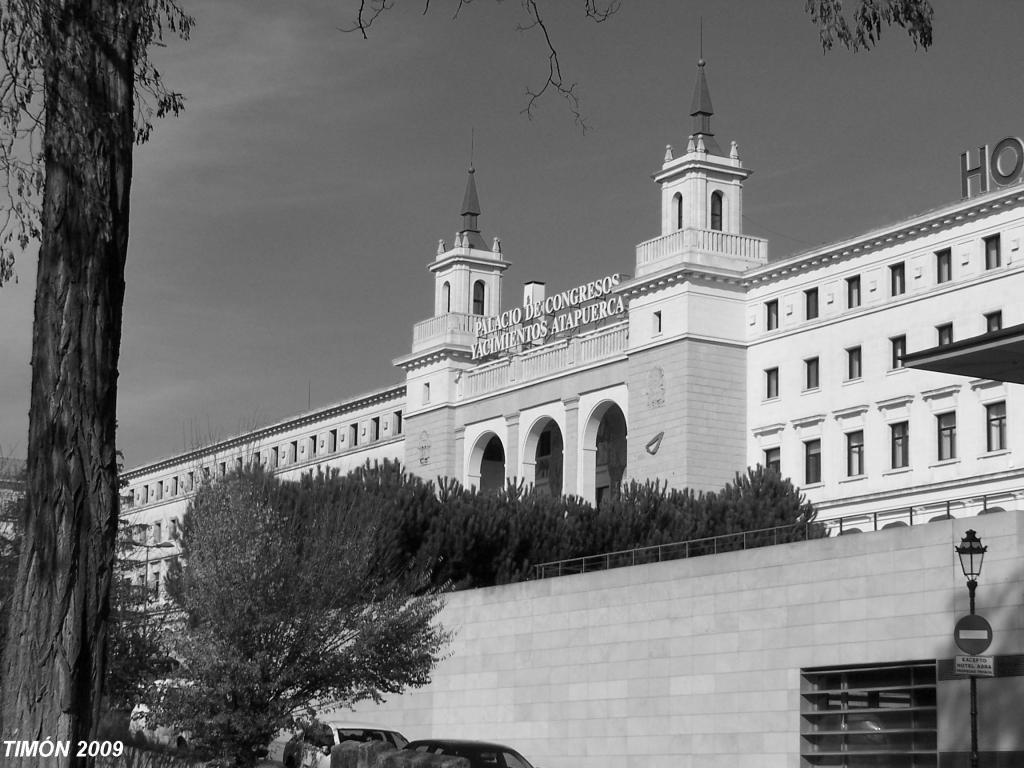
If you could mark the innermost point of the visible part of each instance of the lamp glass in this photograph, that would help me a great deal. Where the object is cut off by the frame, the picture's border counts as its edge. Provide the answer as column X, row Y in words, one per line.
column 971, row 553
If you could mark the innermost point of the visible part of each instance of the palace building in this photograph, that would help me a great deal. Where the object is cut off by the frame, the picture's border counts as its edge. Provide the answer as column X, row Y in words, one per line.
column 701, row 357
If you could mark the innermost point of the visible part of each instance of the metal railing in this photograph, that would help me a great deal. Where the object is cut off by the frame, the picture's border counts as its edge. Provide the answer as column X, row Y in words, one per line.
column 783, row 534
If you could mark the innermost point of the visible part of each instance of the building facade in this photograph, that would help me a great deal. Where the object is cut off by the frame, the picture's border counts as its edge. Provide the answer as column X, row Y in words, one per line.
column 700, row 358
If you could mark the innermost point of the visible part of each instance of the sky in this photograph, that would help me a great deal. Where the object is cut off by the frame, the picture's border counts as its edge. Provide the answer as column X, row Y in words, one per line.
column 282, row 225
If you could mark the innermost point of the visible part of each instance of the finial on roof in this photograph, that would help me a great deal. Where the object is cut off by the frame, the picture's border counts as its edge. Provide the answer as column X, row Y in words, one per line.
column 701, row 110
column 668, row 152
column 470, row 210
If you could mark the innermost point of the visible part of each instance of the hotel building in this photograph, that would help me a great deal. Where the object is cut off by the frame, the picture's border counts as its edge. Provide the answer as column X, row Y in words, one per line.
column 700, row 358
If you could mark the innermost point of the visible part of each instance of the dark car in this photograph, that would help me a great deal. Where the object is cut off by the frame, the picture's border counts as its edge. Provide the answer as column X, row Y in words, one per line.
column 481, row 754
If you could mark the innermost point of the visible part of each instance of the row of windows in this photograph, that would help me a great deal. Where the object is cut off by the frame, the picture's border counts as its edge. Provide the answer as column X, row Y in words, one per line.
column 854, row 357
column 899, row 444
column 897, row 282
column 280, row 456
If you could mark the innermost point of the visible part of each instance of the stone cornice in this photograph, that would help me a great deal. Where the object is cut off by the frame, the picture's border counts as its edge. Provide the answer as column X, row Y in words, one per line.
column 916, row 227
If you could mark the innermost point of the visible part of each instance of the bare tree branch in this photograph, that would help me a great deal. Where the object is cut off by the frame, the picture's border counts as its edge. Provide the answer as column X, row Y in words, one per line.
column 595, row 10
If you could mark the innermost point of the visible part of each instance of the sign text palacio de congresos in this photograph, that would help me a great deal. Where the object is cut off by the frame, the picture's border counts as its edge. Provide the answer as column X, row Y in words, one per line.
column 537, row 321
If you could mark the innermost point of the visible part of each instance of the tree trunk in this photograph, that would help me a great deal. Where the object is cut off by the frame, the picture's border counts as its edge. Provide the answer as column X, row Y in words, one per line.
column 54, row 660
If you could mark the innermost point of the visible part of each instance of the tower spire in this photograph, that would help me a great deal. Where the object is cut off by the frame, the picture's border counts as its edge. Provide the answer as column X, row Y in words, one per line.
column 701, row 109
column 470, row 210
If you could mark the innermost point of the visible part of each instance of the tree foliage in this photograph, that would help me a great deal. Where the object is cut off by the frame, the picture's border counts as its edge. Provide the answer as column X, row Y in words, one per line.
column 286, row 604
column 862, row 29
column 137, row 657
column 464, row 538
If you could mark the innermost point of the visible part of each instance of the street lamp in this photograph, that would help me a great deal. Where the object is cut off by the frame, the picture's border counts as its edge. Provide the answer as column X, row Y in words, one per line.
column 972, row 553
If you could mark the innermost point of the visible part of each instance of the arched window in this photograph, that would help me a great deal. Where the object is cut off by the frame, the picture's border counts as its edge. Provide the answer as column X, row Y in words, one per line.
column 716, row 211
column 478, row 297
column 677, row 203
column 446, row 296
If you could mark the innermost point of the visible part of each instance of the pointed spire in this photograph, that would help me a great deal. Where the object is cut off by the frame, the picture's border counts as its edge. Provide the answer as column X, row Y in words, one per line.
column 701, row 111
column 470, row 210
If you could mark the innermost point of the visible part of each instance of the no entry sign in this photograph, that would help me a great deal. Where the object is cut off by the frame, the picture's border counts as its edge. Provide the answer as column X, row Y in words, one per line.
column 972, row 634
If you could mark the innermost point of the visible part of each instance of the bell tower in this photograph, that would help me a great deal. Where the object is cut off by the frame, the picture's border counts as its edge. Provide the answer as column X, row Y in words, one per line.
column 702, row 188
column 467, row 276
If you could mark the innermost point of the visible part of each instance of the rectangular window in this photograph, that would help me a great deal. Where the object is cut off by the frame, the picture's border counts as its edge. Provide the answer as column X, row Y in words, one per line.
column 995, row 416
column 771, row 314
column 158, row 534
column 944, row 334
column 353, row 434
column 878, row 715
column 222, row 468
column 898, row 347
column 811, row 303
column 946, row 423
column 811, row 373
column 853, row 369
column 426, row 396
column 332, row 441
column 156, row 584
column 994, row 321
column 812, row 462
column 897, row 279
column 191, row 481
column 159, row 491
column 773, row 459
column 174, row 486
column 173, row 531
column 275, row 457
column 943, row 266
column 238, row 464
column 293, row 451
column 398, row 422
column 855, row 453
column 993, row 252
column 900, row 442
column 771, row 382
column 853, row 291
column 656, row 323
column 314, row 444
column 375, row 428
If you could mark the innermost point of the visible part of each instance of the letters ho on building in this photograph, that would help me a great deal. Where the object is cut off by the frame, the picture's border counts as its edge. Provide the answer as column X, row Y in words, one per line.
column 698, row 358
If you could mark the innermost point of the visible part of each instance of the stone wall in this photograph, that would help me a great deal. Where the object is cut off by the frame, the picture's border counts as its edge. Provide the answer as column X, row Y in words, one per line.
column 697, row 663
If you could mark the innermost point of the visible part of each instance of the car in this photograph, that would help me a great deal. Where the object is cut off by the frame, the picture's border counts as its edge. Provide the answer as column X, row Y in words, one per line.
column 139, row 728
column 311, row 748
column 481, row 754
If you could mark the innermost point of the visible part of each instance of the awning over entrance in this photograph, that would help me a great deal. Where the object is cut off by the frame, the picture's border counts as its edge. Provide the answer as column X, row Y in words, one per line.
column 998, row 355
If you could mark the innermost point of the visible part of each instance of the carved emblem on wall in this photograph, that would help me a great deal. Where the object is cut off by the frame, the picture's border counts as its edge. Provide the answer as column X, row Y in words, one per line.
column 424, row 447
column 655, row 387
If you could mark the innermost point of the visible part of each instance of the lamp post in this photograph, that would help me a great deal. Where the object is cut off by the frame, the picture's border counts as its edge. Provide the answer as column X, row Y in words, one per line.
column 972, row 553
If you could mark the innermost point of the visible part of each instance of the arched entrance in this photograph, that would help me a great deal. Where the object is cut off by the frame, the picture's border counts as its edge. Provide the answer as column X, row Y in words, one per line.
column 543, row 457
column 603, row 456
column 492, row 464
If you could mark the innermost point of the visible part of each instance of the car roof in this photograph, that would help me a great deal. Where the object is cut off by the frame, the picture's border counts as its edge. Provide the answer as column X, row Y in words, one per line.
column 462, row 743
column 337, row 722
